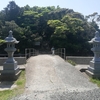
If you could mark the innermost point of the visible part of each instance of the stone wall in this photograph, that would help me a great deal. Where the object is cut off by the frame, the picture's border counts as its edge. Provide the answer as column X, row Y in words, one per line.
column 20, row 60
column 80, row 60
column 76, row 59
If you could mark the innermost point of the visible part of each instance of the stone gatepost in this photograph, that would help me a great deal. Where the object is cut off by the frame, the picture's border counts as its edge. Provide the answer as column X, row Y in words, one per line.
column 10, row 69
column 94, row 68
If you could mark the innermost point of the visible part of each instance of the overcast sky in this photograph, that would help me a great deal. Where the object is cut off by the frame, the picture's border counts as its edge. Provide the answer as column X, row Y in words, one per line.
column 85, row 7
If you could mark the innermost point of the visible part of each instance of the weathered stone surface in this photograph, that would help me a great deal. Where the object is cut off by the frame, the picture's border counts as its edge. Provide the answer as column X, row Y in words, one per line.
column 94, row 68
column 10, row 69
column 51, row 78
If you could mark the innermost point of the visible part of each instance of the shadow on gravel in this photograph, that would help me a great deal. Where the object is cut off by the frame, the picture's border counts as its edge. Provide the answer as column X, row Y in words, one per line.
column 83, row 70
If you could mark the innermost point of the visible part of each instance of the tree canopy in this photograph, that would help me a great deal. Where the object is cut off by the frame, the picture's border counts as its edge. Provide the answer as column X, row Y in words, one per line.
column 53, row 26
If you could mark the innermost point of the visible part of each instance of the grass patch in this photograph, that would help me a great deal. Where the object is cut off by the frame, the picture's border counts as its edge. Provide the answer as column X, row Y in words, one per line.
column 20, row 82
column 71, row 62
column 96, row 81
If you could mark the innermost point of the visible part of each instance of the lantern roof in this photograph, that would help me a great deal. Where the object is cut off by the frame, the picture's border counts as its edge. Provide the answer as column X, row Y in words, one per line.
column 96, row 38
column 10, row 38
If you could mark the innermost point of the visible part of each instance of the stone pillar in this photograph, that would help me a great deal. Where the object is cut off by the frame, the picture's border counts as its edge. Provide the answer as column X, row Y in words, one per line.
column 94, row 68
column 10, row 69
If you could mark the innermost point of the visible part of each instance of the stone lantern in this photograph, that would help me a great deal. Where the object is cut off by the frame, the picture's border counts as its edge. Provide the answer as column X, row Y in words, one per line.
column 94, row 68
column 10, row 69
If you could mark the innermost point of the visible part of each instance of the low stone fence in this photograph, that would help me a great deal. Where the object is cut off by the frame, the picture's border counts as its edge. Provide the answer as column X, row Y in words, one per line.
column 80, row 60
column 20, row 60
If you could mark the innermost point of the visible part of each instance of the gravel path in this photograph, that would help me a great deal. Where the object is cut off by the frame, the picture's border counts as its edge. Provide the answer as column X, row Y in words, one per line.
column 51, row 78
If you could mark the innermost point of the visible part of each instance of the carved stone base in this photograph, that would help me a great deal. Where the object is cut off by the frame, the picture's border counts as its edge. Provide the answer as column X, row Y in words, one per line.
column 94, row 70
column 10, row 72
column 90, row 74
column 9, row 77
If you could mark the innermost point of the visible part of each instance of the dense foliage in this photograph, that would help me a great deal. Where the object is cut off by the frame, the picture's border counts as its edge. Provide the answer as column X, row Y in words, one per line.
column 49, row 26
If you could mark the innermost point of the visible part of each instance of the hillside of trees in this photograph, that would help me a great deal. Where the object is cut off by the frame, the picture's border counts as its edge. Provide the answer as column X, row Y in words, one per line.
column 49, row 26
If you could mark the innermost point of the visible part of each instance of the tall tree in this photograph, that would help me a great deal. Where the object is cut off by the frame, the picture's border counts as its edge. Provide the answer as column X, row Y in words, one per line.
column 12, row 11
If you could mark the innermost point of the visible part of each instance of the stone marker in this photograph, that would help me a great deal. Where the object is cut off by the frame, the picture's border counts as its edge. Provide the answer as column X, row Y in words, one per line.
column 10, row 69
column 94, row 68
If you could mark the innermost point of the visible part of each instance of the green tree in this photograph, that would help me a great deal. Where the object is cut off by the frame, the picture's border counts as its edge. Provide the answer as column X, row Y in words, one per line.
column 12, row 11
